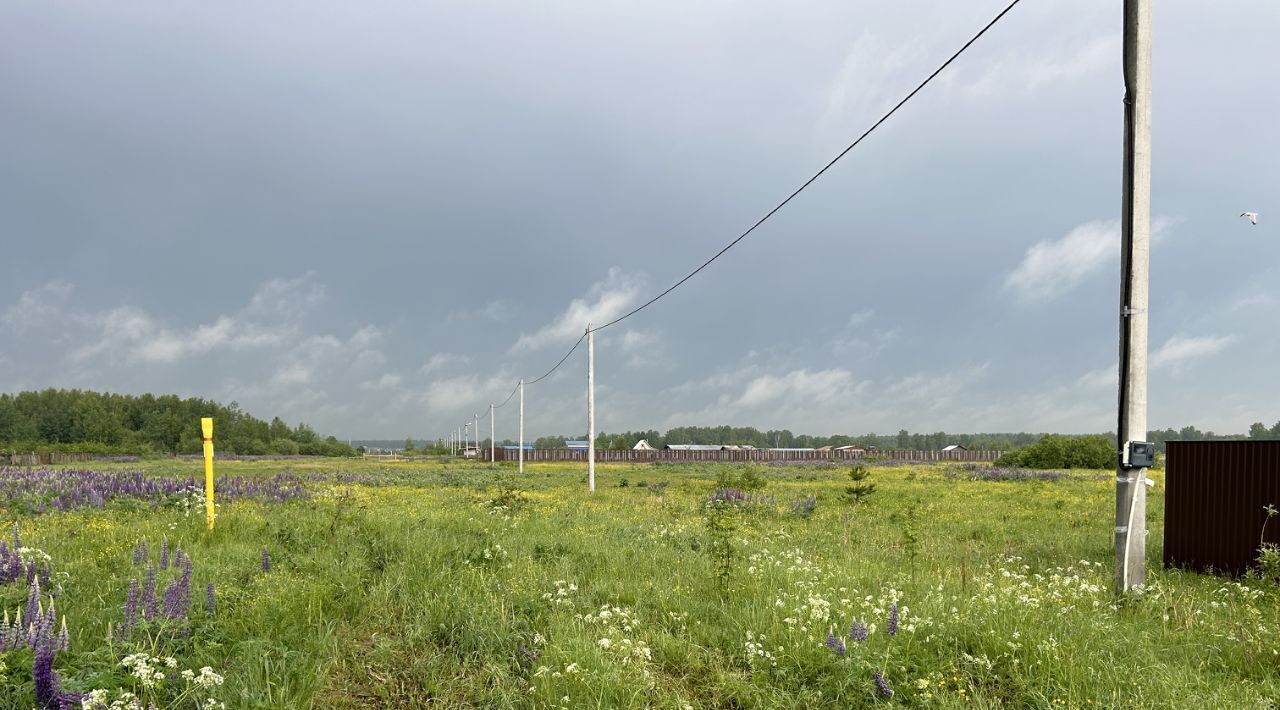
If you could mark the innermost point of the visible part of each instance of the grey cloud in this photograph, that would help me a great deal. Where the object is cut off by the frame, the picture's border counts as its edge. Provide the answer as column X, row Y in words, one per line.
column 368, row 239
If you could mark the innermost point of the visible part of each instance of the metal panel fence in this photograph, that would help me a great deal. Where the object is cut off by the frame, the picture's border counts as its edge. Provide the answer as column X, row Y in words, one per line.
column 633, row 456
column 1215, row 496
column 42, row 459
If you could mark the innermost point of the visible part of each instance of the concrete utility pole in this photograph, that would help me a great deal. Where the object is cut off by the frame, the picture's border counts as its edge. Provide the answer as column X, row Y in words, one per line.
column 493, row 461
column 476, row 417
column 591, row 410
column 521, row 453
column 1135, row 227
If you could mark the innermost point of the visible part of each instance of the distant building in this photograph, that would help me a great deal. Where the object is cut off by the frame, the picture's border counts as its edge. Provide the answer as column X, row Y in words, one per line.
column 578, row 445
column 954, row 447
column 852, row 449
column 515, row 447
column 794, row 449
column 643, row 445
column 824, row 449
column 693, row 447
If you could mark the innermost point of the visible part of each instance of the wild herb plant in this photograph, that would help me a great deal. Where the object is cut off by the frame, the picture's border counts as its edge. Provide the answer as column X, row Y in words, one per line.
column 1268, row 552
column 910, row 529
column 721, row 517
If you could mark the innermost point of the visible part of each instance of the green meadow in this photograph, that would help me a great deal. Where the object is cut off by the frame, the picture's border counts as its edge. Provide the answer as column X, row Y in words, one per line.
column 456, row 585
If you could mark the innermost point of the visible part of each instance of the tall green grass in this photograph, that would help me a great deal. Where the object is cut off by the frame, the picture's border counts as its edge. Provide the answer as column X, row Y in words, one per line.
column 454, row 585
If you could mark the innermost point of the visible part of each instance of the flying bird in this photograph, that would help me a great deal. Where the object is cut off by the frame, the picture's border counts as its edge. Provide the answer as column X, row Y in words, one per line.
column 1253, row 217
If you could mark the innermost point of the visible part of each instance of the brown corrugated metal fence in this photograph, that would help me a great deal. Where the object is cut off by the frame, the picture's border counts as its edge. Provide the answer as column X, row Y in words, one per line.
column 1215, row 496
column 634, row 456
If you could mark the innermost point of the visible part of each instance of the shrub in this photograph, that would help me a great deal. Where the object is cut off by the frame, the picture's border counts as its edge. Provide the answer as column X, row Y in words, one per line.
column 748, row 478
column 1055, row 451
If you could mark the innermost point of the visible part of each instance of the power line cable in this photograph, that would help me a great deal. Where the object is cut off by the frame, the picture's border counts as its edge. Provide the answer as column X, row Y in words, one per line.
column 818, row 174
column 508, row 399
column 963, row 48
column 558, row 364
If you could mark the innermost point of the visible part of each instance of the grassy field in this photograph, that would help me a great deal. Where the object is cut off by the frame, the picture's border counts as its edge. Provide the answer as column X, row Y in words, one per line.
column 454, row 585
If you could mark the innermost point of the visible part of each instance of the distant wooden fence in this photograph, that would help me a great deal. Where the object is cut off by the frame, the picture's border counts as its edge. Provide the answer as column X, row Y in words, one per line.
column 1214, row 503
column 42, row 459
column 633, row 456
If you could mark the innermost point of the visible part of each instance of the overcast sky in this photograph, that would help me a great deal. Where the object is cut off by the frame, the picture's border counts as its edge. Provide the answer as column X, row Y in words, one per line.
column 374, row 217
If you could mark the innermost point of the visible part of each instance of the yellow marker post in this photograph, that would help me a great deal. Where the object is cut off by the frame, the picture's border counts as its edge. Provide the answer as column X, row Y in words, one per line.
column 206, row 429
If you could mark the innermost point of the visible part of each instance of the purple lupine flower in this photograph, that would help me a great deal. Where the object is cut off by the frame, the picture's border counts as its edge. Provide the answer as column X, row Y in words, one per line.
column 831, row 640
column 891, row 628
column 33, row 599
column 882, row 685
column 527, row 653
column 8, row 637
column 841, row 649
column 150, row 604
column 130, row 611
column 45, row 649
column 64, row 638
column 266, row 560
column 164, row 553
column 171, row 596
column 13, row 636
column 857, row 631
column 140, row 551
column 186, row 584
column 210, row 599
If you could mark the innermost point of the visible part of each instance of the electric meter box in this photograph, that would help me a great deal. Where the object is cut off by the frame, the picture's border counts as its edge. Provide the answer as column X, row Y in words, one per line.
column 1138, row 454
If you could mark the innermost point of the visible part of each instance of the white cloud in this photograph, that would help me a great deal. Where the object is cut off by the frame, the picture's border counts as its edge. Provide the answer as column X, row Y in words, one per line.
column 1029, row 71
column 816, row 388
column 1103, row 378
column 861, row 317
column 605, row 301
column 439, row 361
column 453, row 395
column 869, row 76
column 495, row 311
column 644, row 348
column 864, row 344
column 386, row 382
column 1179, row 351
column 126, row 334
column 285, row 299
column 1050, row 268
column 1053, row 267
column 41, row 306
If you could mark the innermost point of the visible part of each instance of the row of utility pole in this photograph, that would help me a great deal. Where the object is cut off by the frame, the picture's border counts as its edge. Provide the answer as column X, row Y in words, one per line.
column 1130, row 528
column 460, row 438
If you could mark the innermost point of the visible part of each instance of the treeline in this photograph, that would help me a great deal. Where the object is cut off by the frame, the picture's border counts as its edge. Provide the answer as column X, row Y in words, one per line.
column 904, row 440
column 92, row 422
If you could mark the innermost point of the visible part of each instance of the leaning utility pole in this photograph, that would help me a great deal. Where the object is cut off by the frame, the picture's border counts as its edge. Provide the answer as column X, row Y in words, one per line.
column 522, row 426
column 493, row 461
column 591, row 410
column 1135, row 234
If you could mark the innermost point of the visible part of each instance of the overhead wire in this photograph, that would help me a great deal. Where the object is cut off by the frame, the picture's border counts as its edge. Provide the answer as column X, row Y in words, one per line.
column 558, row 364
column 818, row 174
column 508, row 399
column 795, row 193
